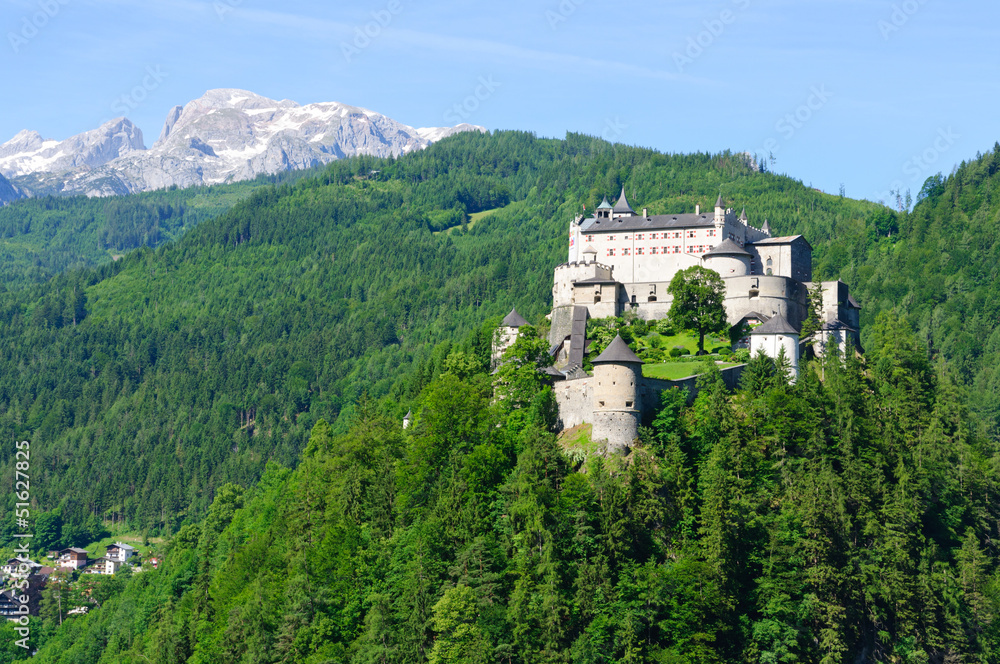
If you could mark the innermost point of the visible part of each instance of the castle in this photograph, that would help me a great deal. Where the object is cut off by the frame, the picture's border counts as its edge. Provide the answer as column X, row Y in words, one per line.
column 620, row 260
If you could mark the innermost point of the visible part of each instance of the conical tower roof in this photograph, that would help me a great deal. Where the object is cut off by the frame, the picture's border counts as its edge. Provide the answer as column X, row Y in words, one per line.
column 622, row 204
column 727, row 248
column 604, row 204
column 718, row 202
column 514, row 319
column 776, row 325
column 617, row 352
column 766, row 228
column 743, row 216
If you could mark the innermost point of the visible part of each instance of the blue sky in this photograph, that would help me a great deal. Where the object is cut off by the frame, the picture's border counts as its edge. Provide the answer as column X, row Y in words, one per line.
column 870, row 94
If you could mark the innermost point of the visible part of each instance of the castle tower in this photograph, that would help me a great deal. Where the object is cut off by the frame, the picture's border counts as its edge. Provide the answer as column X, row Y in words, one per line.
column 622, row 208
column 775, row 335
column 575, row 238
column 728, row 259
column 720, row 220
column 604, row 209
column 506, row 334
column 617, row 373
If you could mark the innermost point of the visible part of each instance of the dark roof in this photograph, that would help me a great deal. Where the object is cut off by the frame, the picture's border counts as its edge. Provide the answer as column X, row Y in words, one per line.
column 743, row 215
column 755, row 314
column 777, row 325
column 854, row 303
column 604, row 204
column 553, row 373
column 617, row 352
column 593, row 281
column 640, row 223
column 766, row 228
column 718, row 202
column 786, row 239
column 622, row 204
column 727, row 248
column 74, row 550
column 514, row 319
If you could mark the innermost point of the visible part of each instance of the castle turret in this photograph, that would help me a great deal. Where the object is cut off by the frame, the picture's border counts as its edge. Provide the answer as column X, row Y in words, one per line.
column 728, row 259
column 773, row 336
column 617, row 373
column 720, row 220
column 604, row 209
column 575, row 237
column 506, row 334
column 622, row 208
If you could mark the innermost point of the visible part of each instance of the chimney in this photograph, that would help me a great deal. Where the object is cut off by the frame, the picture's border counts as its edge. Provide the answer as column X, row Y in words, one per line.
column 697, row 209
column 645, row 212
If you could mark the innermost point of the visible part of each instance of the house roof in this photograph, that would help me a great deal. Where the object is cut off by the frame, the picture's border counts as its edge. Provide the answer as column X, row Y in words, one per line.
column 718, row 202
column 622, row 203
column 786, row 239
column 755, row 314
column 854, row 303
column 727, row 248
column 617, row 352
column 777, row 325
column 640, row 223
column 604, row 204
column 119, row 545
column 743, row 215
column 766, row 228
column 837, row 324
column 514, row 319
column 73, row 549
column 589, row 249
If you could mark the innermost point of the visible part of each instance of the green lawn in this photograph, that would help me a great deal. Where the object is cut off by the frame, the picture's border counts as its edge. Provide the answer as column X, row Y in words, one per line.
column 687, row 340
column 677, row 370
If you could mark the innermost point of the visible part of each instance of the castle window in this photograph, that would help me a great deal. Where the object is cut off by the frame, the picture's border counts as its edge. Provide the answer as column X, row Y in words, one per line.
column 597, row 297
column 652, row 250
column 711, row 233
column 652, row 298
column 692, row 233
column 611, row 252
column 639, row 251
column 610, row 238
column 628, row 404
column 677, row 250
column 601, row 404
column 624, row 252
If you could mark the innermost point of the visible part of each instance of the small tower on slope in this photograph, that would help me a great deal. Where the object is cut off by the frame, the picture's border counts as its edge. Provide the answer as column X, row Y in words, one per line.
column 773, row 336
column 507, row 334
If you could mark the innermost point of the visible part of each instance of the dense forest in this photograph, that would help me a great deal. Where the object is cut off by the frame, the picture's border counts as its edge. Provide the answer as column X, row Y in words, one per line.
column 845, row 519
column 240, row 390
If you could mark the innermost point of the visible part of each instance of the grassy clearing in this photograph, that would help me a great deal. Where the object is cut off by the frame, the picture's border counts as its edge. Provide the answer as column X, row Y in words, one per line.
column 678, row 370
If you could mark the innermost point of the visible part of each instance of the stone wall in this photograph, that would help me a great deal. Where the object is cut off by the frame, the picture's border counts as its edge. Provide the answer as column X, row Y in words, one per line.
column 618, row 428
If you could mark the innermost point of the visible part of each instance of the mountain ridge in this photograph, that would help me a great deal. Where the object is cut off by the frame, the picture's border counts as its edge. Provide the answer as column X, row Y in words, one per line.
column 226, row 135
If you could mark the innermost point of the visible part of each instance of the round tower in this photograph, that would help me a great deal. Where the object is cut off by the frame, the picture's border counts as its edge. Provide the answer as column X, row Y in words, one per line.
column 728, row 259
column 617, row 374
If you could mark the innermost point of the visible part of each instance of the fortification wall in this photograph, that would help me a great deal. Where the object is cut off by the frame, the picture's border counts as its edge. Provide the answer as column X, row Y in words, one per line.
column 766, row 295
column 569, row 273
column 575, row 399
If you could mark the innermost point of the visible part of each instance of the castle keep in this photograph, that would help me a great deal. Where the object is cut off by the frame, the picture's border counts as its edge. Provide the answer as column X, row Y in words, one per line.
column 620, row 260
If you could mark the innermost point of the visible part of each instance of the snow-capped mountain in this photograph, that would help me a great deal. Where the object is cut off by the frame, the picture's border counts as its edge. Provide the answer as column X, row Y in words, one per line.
column 225, row 136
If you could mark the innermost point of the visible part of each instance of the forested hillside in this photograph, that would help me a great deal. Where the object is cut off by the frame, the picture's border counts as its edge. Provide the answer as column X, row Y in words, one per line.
column 41, row 237
column 843, row 520
column 853, row 516
column 151, row 381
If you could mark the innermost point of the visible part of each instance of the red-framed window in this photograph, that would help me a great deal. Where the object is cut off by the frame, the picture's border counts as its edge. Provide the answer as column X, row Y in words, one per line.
column 611, row 252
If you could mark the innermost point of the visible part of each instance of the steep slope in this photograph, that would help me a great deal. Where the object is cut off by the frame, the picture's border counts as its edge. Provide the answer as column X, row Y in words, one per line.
column 157, row 378
column 8, row 193
column 225, row 136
